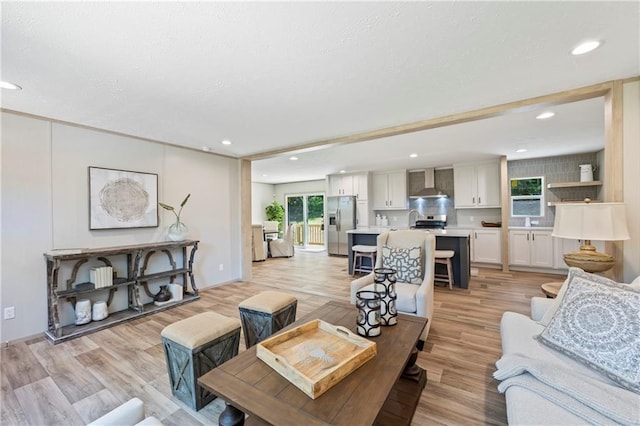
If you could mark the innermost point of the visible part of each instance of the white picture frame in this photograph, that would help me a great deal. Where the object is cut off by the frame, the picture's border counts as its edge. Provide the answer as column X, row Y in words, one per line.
column 122, row 199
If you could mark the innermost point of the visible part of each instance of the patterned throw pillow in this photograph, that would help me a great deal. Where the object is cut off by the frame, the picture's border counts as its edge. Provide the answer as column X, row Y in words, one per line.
column 598, row 324
column 406, row 261
column 573, row 272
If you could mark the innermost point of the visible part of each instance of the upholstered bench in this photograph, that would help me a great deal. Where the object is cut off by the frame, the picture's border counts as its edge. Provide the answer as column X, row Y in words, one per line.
column 193, row 347
column 264, row 314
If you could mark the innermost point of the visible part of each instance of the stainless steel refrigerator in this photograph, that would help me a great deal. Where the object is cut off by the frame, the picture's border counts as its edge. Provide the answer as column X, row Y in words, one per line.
column 342, row 217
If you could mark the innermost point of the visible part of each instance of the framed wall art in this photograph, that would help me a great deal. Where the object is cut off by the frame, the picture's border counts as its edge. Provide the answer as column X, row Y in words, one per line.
column 122, row 199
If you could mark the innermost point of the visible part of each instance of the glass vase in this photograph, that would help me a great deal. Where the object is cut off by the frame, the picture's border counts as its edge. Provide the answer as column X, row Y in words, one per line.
column 177, row 231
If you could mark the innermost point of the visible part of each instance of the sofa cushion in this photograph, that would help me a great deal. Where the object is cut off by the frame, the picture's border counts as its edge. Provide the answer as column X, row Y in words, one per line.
column 406, row 261
column 597, row 323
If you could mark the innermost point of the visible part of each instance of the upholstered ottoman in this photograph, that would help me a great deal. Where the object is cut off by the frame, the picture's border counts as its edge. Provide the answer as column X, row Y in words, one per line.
column 193, row 347
column 264, row 314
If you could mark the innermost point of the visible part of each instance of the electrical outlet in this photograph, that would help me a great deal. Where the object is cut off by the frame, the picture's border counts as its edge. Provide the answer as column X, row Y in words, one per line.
column 221, row 267
column 10, row 312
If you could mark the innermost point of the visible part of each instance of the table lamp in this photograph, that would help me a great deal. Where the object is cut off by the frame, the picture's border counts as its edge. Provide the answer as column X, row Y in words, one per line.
column 590, row 221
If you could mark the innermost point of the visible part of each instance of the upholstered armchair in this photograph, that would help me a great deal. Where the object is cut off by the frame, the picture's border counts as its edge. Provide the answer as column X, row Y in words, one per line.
column 399, row 250
column 283, row 247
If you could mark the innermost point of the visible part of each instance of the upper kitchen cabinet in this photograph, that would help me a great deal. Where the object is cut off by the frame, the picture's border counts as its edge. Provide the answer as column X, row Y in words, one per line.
column 361, row 186
column 340, row 184
column 477, row 185
column 390, row 190
column 356, row 184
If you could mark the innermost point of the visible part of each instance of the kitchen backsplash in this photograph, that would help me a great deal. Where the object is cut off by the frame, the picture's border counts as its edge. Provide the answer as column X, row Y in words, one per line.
column 430, row 206
column 563, row 168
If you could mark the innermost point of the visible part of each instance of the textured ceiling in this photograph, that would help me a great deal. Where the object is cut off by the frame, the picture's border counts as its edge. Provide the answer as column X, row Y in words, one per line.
column 271, row 75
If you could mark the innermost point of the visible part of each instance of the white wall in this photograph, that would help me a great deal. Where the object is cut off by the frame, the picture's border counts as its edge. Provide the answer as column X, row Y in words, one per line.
column 26, row 223
column 44, row 205
column 262, row 194
column 308, row 187
column 631, row 177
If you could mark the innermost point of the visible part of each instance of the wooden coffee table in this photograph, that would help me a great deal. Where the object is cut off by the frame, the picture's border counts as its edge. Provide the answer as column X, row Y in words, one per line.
column 385, row 390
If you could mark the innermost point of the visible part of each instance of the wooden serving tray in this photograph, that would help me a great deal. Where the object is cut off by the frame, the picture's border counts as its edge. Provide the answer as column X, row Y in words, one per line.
column 316, row 355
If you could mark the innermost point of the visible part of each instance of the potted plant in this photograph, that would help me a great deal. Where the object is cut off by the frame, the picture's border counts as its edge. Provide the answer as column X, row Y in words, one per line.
column 177, row 230
column 275, row 212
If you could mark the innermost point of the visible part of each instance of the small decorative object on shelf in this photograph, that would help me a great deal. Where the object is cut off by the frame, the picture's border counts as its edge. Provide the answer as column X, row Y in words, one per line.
column 100, row 311
column 177, row 231
column 368, row 320
column 385, row 286
column 83, row 311
column 163, row 295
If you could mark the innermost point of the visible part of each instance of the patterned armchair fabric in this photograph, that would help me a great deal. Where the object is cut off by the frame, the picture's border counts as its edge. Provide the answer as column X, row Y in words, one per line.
column 412, row 254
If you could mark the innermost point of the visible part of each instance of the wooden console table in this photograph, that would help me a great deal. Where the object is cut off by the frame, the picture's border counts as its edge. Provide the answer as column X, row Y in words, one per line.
column 383, row 391
column 137, row 277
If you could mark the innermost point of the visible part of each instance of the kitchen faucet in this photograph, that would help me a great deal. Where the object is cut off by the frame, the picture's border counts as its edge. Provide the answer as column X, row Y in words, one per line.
column 409, row 217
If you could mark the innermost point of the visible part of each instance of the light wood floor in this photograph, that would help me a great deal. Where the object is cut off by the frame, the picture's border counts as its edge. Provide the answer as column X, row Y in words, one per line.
column 77, row 381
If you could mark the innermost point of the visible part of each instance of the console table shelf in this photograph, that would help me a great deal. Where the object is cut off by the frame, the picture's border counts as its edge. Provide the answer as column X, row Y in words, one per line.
column 87, row 287
column 137, row 277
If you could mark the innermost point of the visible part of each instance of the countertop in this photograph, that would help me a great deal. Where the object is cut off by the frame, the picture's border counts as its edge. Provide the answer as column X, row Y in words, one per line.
column 442, row 232
column 532, row 228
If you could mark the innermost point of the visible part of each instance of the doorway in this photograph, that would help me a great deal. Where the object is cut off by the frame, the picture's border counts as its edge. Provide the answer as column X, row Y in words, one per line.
column 306, row 211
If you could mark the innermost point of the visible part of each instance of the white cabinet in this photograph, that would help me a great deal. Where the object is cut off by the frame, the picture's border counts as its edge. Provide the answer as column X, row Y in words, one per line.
column 351, row 184
column 390, row 190
column 363, row 214
column 477, row 185
column 531, row 248
column 563, row 245
column 486, row 245
column 361, row 186
column 340, row 185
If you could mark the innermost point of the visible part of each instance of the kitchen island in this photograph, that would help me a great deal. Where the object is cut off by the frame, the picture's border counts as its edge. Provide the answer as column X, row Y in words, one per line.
column 446, row 239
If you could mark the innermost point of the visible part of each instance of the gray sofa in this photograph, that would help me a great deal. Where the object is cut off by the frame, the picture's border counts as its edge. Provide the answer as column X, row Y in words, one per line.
column 544, row 386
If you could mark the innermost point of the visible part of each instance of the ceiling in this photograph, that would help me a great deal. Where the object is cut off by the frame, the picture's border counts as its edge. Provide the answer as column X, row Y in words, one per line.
column 268, row 76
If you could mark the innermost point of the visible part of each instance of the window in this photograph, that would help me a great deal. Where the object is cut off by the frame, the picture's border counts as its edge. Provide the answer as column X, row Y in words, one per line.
column 527, row 197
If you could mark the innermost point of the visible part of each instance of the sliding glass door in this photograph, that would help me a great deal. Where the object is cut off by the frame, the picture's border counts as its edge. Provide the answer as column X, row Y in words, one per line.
column 307, row 213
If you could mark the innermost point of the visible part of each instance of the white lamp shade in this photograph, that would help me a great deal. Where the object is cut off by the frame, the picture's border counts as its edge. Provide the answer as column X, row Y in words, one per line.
column 598, row 221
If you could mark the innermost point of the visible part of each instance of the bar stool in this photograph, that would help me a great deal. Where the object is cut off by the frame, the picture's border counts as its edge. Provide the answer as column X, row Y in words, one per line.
column 443, row 257
column 264, row 314
column 360, row 252
column 195, row 346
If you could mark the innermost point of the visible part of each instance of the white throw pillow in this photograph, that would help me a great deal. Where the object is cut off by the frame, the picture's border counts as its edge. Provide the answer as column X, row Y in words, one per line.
column 597, row 323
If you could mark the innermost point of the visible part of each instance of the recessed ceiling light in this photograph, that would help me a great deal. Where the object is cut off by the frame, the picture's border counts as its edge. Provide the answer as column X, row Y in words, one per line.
column 585, row 47
column 10, row 86
column 206, row 148
column 294, row 158
column 545, row 115
column 264, row 175
column 342, row 171
column 226, row 142
column 413, row 155
column 521, row 150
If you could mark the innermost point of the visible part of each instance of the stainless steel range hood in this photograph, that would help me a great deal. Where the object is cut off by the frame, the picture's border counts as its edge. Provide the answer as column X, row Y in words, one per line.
column 429, row 190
